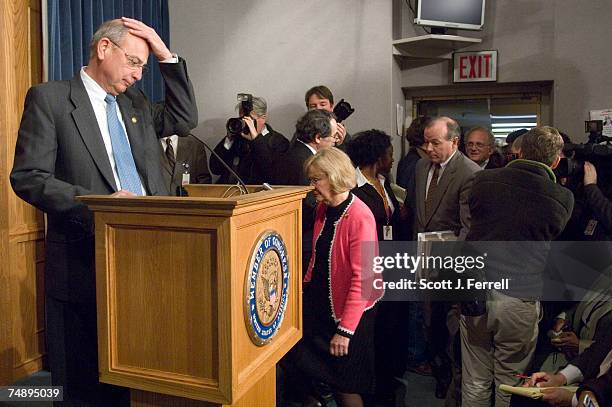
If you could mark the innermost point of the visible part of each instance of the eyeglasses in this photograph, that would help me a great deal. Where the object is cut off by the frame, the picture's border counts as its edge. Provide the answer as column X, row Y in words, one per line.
column 133, row 61
column 316, row 180
column 479, row 146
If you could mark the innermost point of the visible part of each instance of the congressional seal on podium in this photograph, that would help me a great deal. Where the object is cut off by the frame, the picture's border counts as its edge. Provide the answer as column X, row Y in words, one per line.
column 266, row 287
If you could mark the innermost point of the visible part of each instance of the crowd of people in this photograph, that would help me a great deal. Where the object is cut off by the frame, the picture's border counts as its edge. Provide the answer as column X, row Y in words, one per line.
column 449, row 180
column 354, row 345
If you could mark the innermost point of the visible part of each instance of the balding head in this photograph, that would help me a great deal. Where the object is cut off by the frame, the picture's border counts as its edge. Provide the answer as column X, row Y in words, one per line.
column 117, row 57
column 114, row 30
column 441, row 139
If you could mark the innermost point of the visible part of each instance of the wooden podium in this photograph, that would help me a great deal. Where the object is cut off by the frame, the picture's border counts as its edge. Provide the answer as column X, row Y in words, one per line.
column 175, row 293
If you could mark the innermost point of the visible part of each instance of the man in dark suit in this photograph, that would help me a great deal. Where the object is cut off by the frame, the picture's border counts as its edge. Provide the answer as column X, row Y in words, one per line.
column 74, row 141
column 183, row 162
column 443, row 182
column 315, row 130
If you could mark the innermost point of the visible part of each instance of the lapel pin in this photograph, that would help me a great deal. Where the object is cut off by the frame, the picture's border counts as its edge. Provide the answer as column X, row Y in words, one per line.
column 134, row 120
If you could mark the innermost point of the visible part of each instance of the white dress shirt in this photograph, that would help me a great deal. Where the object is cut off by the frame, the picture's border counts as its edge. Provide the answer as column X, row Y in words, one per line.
column 96, row 97
column 440, row 172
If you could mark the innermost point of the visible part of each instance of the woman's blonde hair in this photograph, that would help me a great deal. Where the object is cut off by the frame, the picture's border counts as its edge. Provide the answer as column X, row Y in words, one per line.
column 337, row 166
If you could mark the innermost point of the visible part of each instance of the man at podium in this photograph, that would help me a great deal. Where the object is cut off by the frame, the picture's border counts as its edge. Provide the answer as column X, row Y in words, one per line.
column 93, row 134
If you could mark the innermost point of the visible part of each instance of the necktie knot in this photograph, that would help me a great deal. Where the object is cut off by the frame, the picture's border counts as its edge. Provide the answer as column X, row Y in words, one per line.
column 110, row 99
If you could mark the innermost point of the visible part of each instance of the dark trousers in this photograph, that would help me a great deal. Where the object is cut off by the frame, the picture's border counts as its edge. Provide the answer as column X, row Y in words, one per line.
column 72, row 349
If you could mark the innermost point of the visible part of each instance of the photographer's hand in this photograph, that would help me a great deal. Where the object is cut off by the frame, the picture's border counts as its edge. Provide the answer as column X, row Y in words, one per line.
column 252, row 130
column 590, row 174
column 340, row 134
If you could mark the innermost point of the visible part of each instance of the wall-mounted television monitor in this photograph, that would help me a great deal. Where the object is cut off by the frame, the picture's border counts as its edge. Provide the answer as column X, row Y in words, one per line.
column 462, row 14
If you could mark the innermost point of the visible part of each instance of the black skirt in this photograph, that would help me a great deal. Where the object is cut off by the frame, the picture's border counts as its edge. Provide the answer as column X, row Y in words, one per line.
column 354, row 372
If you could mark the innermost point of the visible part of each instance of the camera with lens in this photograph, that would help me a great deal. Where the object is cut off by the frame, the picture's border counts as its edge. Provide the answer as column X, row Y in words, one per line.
column 343, row 110
column 235, row 126
column 598, row 151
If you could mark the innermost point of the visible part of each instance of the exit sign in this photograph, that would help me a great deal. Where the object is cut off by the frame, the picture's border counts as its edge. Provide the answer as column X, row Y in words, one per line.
column 480, row 66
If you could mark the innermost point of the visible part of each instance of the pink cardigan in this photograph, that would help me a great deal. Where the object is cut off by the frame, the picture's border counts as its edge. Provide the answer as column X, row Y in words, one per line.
column 356, row 225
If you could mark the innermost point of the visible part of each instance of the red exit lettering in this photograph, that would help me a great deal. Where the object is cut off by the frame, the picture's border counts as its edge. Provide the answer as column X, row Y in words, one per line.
column 475, row 66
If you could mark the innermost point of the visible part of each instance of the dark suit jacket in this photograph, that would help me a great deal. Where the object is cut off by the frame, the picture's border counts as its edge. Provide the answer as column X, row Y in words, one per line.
column 189, row 151
column 496, row 160
column 291, row 165
column 290, row 170
column 450, row 202
column 590, row 360
column 406, row 170
column 256, row 158
column 60, row 154
column 601, row 388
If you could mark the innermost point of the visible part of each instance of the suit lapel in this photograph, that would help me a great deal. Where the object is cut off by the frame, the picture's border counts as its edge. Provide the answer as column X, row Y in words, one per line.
column 422, row 169
column 87, row 125
column 135, row 131
column 445, row 180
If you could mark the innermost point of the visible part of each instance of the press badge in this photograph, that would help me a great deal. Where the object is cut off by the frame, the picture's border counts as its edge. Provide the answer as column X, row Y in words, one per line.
column 185, row 180
column 388, row 232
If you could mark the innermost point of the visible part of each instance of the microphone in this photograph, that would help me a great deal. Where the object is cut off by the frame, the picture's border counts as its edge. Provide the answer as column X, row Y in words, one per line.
column 182, row 130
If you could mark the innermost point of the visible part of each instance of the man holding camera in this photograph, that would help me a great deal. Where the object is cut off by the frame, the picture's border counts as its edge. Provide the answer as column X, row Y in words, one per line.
column 320, row 97
column 600, row 206
column 520, row 202
column 250, row 148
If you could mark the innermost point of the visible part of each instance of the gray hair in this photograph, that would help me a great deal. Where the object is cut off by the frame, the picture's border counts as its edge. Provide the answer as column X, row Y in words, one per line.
column 260, row 106
column 114, row 30
column 490, row 137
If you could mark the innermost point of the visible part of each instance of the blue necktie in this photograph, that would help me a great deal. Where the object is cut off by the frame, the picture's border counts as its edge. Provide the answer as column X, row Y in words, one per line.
column 126, row 168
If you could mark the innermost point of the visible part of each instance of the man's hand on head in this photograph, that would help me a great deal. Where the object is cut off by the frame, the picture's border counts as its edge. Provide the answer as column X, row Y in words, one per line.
column 140, row 29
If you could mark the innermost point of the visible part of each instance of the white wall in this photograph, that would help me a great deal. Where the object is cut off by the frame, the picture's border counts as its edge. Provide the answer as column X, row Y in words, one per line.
column 278, row 49
column 566, row 41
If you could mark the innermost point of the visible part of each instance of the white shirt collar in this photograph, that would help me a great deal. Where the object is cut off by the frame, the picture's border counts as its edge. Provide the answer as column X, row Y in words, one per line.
column 93, row 88
column 362, row 180
column 445, row 163
column 309, row 146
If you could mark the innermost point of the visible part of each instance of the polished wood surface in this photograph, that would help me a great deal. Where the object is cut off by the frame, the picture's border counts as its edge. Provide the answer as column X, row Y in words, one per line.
column 21, row 226
column 260, row 395
column 170, row 280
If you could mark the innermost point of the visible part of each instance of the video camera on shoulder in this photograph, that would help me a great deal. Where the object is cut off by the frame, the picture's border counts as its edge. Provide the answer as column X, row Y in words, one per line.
column 235, row 126
column 598, row 151
column 343, row 110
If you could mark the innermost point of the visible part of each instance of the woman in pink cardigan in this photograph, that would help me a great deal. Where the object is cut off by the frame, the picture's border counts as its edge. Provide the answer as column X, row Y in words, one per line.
column 339, row 300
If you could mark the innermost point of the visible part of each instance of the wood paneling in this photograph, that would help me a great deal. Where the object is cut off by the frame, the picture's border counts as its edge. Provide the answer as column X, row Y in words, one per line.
column 21, row 226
